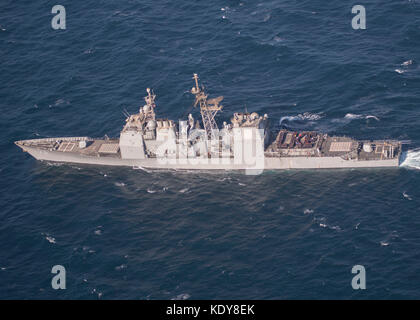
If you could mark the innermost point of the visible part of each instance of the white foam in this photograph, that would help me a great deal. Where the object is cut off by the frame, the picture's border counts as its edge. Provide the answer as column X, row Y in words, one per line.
column 302, row 116
column 182, row 296
column 406, row 63
column 411, row 159
column 278, row 39
column 61, row 101
column 50, row 239
column 399, row 71
column 104, row 174
column 323, row 224
column 119, row 184
column 141, row 168
column 308, row 211
column 121, row 267
column 353, row 116
column 372, row 117
column 54, row 164
column 99, row 294
column 185, row 190
column 151, row 191
column 88, row 51
column 407, row 196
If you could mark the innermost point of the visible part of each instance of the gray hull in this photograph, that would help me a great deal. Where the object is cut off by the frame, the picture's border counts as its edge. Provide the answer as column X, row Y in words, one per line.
column 270, row 163
column 245, row 143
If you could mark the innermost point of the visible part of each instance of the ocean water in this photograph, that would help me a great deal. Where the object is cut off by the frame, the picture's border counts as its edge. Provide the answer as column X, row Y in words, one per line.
column 123, row 233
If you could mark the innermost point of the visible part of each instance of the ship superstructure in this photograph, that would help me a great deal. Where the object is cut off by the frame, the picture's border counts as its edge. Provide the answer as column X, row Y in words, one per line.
column 244, row 143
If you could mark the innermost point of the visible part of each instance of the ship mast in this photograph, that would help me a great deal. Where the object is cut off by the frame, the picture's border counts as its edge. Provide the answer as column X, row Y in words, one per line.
column 208, row 108
column 148, row 109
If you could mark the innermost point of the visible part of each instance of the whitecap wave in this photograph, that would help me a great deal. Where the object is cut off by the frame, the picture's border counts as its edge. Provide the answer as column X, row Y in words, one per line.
column 98, row 293
column 400, row 71
column 89, row 51
column 406, row 63
column 407, row 196
column 302, row 117
column 119, row 184
column 141, row 168
column 372, row 117
column 61, row 101
column 121, row 267
column 322, row 221
column 54, row 164
column 353, row 116
column 50, row 239
column 392, row 236
column 182, row 296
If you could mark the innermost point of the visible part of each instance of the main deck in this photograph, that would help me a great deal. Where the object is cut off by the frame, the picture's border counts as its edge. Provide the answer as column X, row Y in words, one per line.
column 314, row 144
column 287, row 151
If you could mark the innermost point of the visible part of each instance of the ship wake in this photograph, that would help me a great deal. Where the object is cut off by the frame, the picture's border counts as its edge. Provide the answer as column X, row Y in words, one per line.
column 411, row 159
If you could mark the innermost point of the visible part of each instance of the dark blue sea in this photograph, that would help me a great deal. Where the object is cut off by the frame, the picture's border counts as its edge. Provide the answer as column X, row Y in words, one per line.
column 123, row 233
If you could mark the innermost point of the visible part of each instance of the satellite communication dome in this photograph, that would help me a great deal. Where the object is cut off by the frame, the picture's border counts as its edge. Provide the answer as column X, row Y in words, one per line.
column 82, row 144
column 367, row 147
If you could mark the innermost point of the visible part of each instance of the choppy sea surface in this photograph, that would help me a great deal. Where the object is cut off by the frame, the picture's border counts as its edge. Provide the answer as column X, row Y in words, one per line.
column 123, row 233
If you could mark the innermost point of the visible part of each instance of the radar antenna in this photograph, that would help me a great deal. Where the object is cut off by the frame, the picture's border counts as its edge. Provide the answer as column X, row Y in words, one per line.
column 150, row 98
column 208, row 108
column 148, row 109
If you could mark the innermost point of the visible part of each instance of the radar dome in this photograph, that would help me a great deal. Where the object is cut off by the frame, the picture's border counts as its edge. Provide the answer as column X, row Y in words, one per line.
column 367, row 147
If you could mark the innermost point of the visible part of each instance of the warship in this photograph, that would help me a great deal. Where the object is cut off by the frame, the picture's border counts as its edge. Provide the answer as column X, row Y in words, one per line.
column 246, row 143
